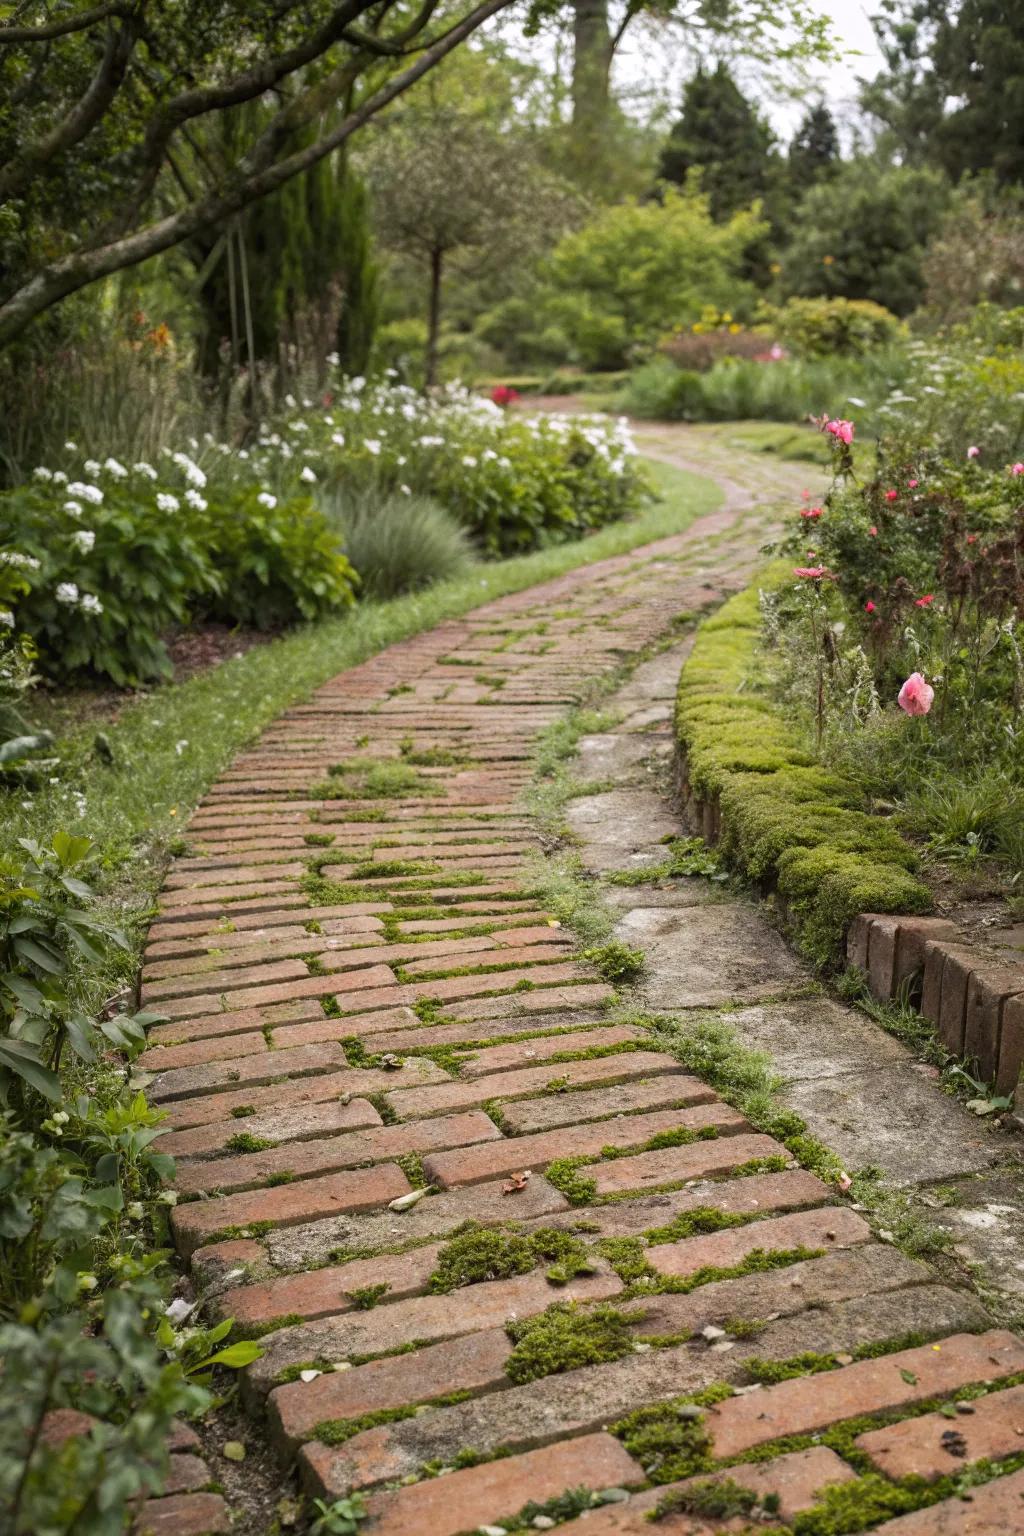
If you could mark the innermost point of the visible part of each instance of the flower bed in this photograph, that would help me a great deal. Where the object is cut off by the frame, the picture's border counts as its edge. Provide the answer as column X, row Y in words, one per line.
column 100, row 558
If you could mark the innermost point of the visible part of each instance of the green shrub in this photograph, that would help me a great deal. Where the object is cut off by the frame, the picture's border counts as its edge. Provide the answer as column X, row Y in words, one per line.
column 826, row 327
column 399, row 543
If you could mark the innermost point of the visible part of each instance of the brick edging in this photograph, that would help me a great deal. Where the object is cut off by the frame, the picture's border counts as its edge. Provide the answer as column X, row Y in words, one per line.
column 973, row 994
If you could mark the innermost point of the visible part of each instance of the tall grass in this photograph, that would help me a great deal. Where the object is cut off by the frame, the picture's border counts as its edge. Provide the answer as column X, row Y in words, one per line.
column 398, row 543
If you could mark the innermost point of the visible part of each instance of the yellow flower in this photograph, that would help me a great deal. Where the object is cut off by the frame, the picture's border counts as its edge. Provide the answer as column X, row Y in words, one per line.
column 827, row 261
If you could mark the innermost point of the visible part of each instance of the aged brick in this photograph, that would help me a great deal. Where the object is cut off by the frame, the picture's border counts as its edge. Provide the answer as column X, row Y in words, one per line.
column 912, row 939
column 180, row 1082
column 882, row 957
column 534, row 1152
column 296, row 1123
column 325, row 1154
column 832, row 1227
column 807, row 1403
column 473, row 1363
column 680, row 1088
column 183, row 1514
column 1011, row 1046
column 920, row 1447
column 426, row 1318
column 324, row 1292
column 186, row 984
column 377, row 977
column 359, row 1189
column 991, row 1510
column 63, row 1424
column 185, row 1474
column 988, row 989
column 857, row 937
column 466, row 1500
column 523, row 1053
column 277, row 1095
column 673, row 1164
column 560, row 1109
column 959, row 962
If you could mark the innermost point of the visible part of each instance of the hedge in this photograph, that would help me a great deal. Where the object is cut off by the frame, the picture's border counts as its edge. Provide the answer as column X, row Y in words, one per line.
column 785, row 820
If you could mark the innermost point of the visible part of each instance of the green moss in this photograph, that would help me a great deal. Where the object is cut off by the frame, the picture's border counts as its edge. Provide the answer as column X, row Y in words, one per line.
column 564, row 1174
column 616, row 962
column 496, row 1253
column 365, row 1297
column 847, row 1507
column 383, row 1107
column 411, row 1164
column 784, row 819
column 318, row 839
column 718, row 1498
column 285, row 1176
column 242, row 1111
column 243, row 1142
column 565, row 1337
column 258, row 1330
column 670, row 1440
column 337, row 1431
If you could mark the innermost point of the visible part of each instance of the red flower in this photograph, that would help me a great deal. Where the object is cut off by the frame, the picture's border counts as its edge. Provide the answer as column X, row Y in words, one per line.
column 812, row 572
column 869, row 607
column 810, row 512
column 892, row 495
column 972, row 538
column 872, row 532
column 504, row 394
column 926, row 601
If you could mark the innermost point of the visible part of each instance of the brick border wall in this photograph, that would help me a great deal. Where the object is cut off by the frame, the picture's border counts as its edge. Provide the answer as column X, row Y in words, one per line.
column 973, row 994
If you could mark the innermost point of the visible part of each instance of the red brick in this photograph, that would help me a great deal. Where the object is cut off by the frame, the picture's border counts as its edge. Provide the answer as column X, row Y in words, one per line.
column 187, row 983
column 184, row 1514
column 239, row 1021
column 360, row 1189
column 524, row 1053
column 185, row 1474
column 994, row 1509
column 882, row 957
column 161, row 1058
column 293, row 1123
column 182, row 879
column 912, row 940
column 987, row 991
column 1011, row 1047
column 915, row 1447
column 276, row 1096
column 931, row 980
column 377, row 977
column 218, row 1259
column 812, row 1402
column 832, row 1227
column 857, row 938
column 477, row 1496
column 558, row 1109
column 959, row 962
column 532, row 1080
column 182, row 1081
column 474, row 1164
column 328, row 1291
column 327, row 1153
column 63, row 1424
column 672, row 1165
column 474, row 1363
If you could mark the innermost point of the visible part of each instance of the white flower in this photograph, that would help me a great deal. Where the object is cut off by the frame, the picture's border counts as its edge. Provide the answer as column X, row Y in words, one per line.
column 333, row 359
column 142, row 468
column 87, row 492
column 290, row 402
column 90, row 603
column 115, row 469
column 372, row 445
column 338, row 439
column 70, row 446
column 243, row 453
column 166, row 502
column 195, row 500
column 59, row 477
column 179, row 747
column 469, row 461
column 405, row 490
column 15, row 557
column 92, row 467
column 67, row 592
column 193, row 474
column 74, row 507
column 83, row 539
column 266, row 500
column 42, row 473
column 307, row 475
column 7, row 618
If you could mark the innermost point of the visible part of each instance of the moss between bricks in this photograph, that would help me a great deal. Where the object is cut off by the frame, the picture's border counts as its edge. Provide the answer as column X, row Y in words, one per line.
column 493, row 1253
column 784, row 819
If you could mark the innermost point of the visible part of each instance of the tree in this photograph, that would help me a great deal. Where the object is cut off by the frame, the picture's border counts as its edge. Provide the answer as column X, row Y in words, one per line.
column 862, row 234
column 451, row 184
column 720, row 135
column 953, row 92
column 102, row 108
column 814, row 151
column 636, row 270
column 782, row 31
column 977, row 255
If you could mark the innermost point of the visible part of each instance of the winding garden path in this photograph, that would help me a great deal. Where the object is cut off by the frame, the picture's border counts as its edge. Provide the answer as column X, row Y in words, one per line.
column 365, row 996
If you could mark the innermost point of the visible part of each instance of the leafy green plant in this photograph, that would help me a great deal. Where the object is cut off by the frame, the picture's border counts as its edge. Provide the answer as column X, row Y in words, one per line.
column 340, row 1518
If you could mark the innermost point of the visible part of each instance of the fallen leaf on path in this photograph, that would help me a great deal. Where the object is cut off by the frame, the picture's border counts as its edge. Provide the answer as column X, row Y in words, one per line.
column 234, row 1450
column 515, row 1182
column 406, row 1202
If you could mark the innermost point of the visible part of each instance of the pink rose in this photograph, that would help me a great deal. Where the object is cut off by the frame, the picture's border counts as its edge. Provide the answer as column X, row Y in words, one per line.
column 872, row 532
column 973, row 452
column 1017, row 469
column 811, row 572
column 913, row 484
column 915, row 697
column 892, row 495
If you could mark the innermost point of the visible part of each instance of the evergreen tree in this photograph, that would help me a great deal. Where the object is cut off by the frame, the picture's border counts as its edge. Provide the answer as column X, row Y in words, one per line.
column 720, row 134
column 815, row 147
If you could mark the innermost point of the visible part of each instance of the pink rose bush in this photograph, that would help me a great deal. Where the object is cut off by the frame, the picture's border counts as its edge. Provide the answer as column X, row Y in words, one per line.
column 916, row 696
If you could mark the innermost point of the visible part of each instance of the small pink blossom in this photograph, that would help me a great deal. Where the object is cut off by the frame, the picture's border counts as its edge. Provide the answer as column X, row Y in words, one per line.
column 805, row 495
column 915, row 697
column 1017, row 469
column 925, row 601
column 973, row 452
column 810, row 512
column 843, row 430
column 892, row 495
column 869, row 607
column 872, row 532
column 912, row 485
column 972, row 538
column 811, row 572
column 844, row 1183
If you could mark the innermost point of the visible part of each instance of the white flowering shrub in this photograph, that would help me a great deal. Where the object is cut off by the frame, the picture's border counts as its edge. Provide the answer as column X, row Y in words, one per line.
column 114, row 554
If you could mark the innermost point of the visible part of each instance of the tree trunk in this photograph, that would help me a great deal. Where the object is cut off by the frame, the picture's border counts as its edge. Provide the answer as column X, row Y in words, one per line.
column 434, row 317
column 591, row 91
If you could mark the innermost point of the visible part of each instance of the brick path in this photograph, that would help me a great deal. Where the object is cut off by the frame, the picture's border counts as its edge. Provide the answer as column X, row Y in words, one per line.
column 364, row 996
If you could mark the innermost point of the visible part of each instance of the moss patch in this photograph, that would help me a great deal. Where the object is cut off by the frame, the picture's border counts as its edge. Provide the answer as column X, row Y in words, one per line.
column 495, row 1253
column 565, row 1337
